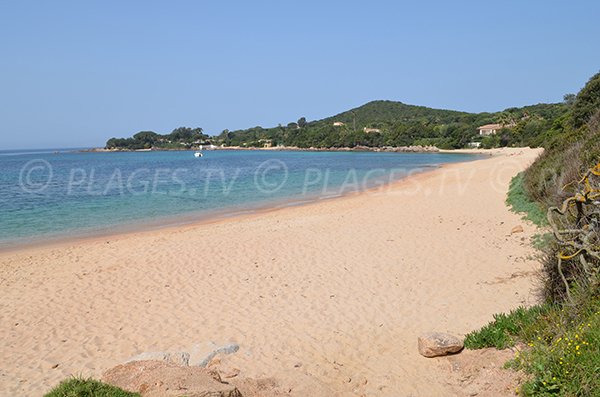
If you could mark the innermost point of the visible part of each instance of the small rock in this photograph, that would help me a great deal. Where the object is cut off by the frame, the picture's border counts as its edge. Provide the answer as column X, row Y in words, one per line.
column 55, row 366
column 433, row 344
column 516, row 229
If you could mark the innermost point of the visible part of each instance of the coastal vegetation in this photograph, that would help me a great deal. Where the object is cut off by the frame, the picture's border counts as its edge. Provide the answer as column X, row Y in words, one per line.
column 81, row 387
column 375, row 124
column 519, row 202
column 179, row 138
column 560, row 338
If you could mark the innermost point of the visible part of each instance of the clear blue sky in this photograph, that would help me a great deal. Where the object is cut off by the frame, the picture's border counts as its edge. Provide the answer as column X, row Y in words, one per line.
column 75, row 73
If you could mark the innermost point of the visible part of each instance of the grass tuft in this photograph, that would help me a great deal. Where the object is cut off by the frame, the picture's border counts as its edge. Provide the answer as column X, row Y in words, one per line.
column 506, row 329
column 79, row 387
column 562, row 353
column 520, row 202
column 542, row 241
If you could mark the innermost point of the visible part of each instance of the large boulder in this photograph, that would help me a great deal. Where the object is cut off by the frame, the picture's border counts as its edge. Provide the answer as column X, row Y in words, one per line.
column 433, row 344
column 166, row 379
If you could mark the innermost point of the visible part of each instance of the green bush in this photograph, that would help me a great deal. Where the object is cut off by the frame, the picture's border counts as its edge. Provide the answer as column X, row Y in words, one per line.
column 587, row 102
column 79, row 387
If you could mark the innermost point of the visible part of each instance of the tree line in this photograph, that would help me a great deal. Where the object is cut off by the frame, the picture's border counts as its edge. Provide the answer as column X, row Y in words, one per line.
column 376, row 124
column 179, row 138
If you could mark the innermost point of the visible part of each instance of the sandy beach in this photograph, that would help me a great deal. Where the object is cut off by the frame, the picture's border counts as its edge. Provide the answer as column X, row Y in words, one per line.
column 327, row 298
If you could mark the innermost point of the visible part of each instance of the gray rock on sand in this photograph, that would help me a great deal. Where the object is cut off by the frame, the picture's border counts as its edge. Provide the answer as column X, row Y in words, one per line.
column 179, row 358
column 433, row 344
column 201, row 354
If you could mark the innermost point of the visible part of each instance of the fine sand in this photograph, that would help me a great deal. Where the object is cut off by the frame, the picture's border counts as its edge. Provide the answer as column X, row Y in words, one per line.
column 327, row 298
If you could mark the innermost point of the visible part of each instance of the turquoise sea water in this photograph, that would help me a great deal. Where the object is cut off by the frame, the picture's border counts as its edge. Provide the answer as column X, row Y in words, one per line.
column 51, row 194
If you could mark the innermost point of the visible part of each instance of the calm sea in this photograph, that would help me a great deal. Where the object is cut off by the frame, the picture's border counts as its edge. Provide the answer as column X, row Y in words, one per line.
column 52, row 194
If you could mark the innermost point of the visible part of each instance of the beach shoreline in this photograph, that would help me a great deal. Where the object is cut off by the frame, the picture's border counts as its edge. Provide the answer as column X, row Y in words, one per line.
column 385, row 149
column 209, row 217
column 351, row 280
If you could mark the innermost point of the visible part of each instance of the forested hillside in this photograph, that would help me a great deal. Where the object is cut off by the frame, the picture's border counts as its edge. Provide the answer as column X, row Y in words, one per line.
column 388, row 123
column 375, row 124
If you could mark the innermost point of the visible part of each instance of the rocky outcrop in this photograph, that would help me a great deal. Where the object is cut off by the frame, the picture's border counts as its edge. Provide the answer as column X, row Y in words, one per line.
column 399, row 149
column 410, row 149
column 179, row 358
column 201, row 354
column 433, row 344
column 162, row 378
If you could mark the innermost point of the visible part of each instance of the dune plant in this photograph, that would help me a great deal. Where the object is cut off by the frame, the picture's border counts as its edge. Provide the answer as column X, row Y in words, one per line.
column 81, row 387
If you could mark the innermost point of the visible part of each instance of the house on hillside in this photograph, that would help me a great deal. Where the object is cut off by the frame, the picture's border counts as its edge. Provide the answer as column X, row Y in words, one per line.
column 489, row 129
column 369, row 130
column 266, row 143
column 338, row 124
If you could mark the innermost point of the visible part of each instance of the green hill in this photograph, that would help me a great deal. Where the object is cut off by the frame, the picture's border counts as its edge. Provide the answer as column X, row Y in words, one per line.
column 374, row 124
column 388, row 123
column 393, row 112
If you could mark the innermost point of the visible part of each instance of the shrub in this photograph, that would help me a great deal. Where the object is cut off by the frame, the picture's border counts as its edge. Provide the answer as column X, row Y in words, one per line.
column 79, row 387
column 586, row 102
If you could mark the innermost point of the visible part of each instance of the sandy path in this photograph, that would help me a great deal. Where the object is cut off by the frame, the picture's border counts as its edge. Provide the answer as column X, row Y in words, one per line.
column 343, row 287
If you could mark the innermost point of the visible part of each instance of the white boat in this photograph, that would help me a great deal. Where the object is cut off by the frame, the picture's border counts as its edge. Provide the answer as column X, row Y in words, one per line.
column 198, row 154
